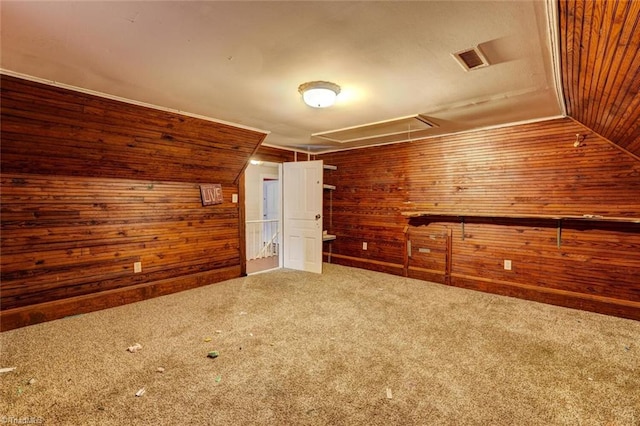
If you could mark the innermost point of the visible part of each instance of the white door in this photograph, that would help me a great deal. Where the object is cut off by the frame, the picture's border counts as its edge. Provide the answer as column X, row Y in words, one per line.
column 302, row 203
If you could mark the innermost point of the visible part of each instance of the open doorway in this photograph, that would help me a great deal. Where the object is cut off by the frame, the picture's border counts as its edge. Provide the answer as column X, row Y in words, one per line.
column 263, row 216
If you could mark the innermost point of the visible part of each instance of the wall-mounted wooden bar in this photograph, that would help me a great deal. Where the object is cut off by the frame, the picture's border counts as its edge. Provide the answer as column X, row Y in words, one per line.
column 586, row 217
column 558, row 219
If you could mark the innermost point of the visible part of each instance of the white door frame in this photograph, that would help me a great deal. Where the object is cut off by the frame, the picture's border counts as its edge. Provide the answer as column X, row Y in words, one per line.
column 261, row 207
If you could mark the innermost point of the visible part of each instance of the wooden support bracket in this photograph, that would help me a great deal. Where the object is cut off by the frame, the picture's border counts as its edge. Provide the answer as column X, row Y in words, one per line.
column 448, row 257
column 559, row 233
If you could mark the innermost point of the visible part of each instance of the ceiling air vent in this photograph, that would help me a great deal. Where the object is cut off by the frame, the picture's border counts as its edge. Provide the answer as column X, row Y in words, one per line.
column 471, row 59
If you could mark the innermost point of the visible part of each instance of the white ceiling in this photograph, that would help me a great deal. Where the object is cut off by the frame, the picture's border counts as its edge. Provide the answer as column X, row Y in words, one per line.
column 242, row 62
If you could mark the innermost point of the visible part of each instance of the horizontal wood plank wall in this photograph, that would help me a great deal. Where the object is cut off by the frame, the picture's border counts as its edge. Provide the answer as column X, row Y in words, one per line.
column 274, row 155
column 531, row 169
column 365, row 207
column 600, row 52
column 91, row 185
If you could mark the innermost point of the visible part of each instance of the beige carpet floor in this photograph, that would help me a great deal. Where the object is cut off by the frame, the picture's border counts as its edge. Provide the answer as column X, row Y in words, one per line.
column 348, row 347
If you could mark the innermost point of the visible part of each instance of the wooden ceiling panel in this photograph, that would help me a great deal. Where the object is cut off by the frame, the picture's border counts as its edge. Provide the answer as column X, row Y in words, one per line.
column 600, row 47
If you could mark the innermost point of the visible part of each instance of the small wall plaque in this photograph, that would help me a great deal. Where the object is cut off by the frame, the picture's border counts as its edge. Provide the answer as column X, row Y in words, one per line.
column 211, row 194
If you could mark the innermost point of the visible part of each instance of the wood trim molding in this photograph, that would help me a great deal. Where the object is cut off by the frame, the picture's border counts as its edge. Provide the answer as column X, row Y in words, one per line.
column 374, row 265
column 606, row 305
column 246, row 163
column 34, row 314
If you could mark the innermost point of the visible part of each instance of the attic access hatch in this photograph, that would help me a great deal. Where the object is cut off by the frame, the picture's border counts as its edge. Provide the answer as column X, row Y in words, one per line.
column 395, row 130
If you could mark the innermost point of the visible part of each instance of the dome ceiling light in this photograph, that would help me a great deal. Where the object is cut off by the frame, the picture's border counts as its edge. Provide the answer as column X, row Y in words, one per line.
column 319, row 94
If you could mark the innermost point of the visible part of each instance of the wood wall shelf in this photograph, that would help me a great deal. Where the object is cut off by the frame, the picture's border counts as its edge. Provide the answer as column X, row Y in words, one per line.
column 588, row 217
column 558, row 218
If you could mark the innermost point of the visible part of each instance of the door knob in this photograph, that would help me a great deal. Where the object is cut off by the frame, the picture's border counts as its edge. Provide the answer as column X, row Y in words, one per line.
column 318, row 217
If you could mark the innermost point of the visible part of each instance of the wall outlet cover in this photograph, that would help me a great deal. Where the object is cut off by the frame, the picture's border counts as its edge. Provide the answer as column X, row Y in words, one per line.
column 507, row 265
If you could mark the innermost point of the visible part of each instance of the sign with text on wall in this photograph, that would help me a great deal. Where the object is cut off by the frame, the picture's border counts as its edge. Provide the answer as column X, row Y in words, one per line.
column 211, row 194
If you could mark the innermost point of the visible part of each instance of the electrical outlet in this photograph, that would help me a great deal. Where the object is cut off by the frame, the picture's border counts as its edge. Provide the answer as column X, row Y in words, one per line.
column 507, row 264
column 234, row 198
column 137, row 267
column 364, row 246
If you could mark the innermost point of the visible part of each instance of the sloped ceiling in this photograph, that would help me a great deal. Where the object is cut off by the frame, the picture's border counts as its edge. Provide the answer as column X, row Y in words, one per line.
column 242, row 61
column 600, row 49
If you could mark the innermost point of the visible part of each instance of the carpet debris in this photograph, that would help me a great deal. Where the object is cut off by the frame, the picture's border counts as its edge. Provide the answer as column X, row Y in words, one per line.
column 213, row 354
column 389, row 395
column 160, row 369
column 31, row 381
column 243, row 313
column 218, row 331
column 141, row 392
column 135, row 348
column 207, row 339
column 218, row 378
column 7, row 369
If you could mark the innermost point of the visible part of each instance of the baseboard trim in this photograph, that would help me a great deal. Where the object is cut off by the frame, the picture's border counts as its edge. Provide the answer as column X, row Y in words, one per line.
column 48, row 311
column 569, row 299
column 370, row 264
column 425, row 274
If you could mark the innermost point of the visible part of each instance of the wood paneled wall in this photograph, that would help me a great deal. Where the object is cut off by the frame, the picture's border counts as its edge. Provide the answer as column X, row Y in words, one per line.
column 92, row 185
column 600, row 51
column 274, row 155
column 517, row 177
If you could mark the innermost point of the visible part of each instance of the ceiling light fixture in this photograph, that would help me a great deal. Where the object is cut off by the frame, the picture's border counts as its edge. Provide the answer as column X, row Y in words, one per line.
column 319, row 94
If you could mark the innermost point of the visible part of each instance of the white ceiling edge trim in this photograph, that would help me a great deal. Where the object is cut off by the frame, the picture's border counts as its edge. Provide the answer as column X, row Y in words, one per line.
column 478, row 129
column 553, row 24
column 125, row 100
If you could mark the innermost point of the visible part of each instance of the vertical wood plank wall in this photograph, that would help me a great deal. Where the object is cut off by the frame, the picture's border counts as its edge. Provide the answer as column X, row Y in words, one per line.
column 600, row 51
column 91, row 185
column 531, row 169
